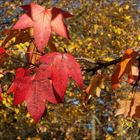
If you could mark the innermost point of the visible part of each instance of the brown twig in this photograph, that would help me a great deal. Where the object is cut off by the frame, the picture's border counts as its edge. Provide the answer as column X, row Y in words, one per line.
column 86, row 59
column 99, row 65
column 99, row 123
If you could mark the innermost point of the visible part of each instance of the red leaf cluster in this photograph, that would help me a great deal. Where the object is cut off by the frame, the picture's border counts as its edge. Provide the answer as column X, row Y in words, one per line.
column 48, row 83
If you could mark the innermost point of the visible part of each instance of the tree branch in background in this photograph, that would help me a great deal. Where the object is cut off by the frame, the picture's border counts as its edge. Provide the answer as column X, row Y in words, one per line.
column 98, row 65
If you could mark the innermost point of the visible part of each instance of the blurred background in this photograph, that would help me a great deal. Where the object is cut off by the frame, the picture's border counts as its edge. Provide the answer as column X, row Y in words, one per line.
column 99, row 30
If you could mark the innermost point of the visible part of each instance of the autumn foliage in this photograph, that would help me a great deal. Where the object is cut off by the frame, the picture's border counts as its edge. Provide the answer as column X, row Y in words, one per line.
column 42, row 71
column 49, row 80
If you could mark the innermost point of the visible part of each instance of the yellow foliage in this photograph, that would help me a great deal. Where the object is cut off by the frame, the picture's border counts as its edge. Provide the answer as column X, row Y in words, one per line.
column 126, row 7
column 99, row 30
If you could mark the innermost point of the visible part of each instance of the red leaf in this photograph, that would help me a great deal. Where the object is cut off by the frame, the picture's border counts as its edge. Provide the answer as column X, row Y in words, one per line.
column 34, row 90
column 36, row 97
column 3, row 56
column 43, row 22
column 20, row 85
column 2, row 50
column 39, row 91
column 60, row 67
column 24, row 22
column 42, row 75
column 49, row 83
column 33, row 10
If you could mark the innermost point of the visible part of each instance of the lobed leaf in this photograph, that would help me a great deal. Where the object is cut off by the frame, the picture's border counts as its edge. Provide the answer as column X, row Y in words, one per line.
column 60, row 67
column 128, row 59
column 43, row 23
column 130, row 108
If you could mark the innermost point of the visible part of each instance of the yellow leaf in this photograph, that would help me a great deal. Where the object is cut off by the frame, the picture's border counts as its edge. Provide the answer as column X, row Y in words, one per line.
column 102, row 86
column 98, row 91
column 120, row 9
column 138, row 37
column 126, row 7
column 95, row 28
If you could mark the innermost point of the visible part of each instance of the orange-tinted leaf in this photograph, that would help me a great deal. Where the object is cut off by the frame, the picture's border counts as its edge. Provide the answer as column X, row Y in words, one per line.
column 124, row 107
column 130, row 108
column 128, row 59
column 96, row 82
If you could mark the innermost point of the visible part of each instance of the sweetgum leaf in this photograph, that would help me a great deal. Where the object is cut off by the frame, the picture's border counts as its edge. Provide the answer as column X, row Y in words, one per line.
column 31, row 90
column 48, row 83
column 42, row 76
column 43, row 23
column 128, row 59
column 130, row 108
column 20, row 86
column 60, row 67
column 96, row 82
column 36, row 98
column 34, row 90
column 40, row 90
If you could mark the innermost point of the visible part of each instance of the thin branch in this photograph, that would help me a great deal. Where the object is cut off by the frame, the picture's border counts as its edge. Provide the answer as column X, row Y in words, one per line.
column 100, row 124
column 86, row 59
column 93, row 128
column 99, row 65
